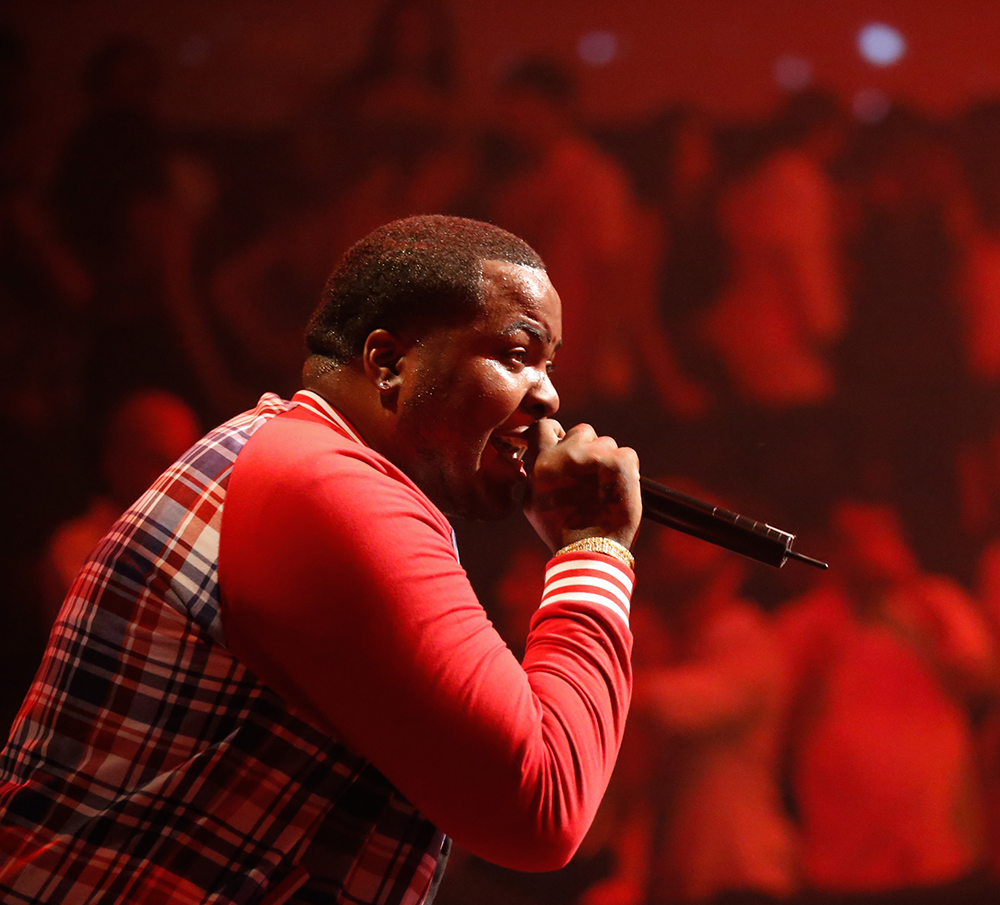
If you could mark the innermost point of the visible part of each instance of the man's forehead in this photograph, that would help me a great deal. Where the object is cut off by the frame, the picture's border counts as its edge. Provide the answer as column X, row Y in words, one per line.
column 501, row 270
column 505, row 278
column 521, row 289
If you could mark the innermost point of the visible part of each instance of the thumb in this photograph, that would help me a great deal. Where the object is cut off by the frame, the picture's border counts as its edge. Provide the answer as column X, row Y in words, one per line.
column 542, row 436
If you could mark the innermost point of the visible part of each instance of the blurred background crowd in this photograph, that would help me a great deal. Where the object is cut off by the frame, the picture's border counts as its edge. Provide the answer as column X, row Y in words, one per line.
column 794, row 313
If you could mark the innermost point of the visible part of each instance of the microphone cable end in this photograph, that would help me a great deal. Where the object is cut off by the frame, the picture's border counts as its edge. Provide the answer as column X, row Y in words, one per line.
column 808, row 560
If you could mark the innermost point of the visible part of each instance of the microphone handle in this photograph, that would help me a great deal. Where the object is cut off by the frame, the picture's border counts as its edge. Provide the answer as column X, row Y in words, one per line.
column 682, row 512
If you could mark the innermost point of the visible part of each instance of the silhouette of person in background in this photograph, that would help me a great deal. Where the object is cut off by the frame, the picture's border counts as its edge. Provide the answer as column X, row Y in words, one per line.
column 402, row 87
column 711, row 713
column 886, row 661
column 44, row 291
column 386, row 142
column 901, row 364
column 782, row 311
column 783, row 307
column 149, row 430
column 575, row 205
column 42, row 285
column 129, row 205
column 683, row 186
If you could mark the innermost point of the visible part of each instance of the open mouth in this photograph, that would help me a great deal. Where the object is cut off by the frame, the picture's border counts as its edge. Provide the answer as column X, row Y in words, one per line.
column 511, row 448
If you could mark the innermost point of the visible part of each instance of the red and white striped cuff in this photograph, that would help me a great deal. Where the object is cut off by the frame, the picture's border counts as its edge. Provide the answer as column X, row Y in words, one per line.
column 589, row 578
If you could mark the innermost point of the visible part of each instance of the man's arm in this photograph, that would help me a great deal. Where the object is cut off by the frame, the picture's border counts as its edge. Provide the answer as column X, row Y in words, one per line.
column 342, row 592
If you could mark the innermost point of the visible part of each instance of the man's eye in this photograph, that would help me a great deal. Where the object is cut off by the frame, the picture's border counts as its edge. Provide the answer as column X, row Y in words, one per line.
column 518, row 355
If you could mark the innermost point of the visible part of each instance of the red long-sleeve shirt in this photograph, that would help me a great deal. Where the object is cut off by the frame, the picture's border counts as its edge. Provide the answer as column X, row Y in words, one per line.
column 342, row 590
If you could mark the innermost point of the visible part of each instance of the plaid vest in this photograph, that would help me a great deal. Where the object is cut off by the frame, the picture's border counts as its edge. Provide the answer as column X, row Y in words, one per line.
column 148, row 765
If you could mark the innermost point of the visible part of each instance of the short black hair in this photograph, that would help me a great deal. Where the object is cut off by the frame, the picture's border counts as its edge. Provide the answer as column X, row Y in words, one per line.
column 421, row 272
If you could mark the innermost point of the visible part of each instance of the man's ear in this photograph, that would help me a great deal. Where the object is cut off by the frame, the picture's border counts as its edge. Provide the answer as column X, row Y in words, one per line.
column 382, row 359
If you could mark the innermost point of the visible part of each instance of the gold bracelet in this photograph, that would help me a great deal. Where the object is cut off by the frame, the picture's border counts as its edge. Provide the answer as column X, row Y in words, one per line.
column 600, row 545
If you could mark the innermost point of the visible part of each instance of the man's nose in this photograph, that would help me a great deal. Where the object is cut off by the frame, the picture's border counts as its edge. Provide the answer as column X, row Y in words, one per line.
column 542, row 399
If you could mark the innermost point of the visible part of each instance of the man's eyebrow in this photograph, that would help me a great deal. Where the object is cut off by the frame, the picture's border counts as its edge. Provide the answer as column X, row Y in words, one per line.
column 533, row 330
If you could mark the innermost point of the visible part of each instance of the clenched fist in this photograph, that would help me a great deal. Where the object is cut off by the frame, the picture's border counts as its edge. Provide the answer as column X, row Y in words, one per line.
column 582, row 485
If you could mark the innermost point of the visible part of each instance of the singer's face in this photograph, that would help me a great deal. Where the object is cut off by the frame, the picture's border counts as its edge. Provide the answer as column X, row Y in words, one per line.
column 472, row 391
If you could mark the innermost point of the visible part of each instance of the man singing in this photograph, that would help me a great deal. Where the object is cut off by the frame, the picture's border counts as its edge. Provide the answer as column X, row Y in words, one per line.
column 272, row 681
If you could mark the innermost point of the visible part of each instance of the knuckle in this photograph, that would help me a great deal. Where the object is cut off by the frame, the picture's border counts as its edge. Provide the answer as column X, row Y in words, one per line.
column 629, row 456
column 607, row 445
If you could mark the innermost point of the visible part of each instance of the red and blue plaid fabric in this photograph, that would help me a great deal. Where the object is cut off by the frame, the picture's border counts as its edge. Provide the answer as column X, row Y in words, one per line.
column 148, row 765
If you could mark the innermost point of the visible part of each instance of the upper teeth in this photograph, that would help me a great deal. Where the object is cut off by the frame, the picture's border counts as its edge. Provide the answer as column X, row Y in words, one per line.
column 514, row 449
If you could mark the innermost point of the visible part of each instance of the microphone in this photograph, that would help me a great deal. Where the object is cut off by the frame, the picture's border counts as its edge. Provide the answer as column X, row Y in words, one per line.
column 718, row 526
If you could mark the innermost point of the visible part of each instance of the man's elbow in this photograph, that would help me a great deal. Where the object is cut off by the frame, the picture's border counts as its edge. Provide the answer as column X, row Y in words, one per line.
column 537, row 851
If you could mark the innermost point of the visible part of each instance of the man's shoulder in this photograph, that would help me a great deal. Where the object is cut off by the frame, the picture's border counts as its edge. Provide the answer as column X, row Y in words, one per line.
column 298, row 436
column 305, row 454
column 301, row 426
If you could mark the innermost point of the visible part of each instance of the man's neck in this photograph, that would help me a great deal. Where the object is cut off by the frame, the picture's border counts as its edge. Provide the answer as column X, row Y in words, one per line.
column 347, row 389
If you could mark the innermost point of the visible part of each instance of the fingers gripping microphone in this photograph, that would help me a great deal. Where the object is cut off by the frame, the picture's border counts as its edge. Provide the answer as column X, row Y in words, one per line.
column 735, row 532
